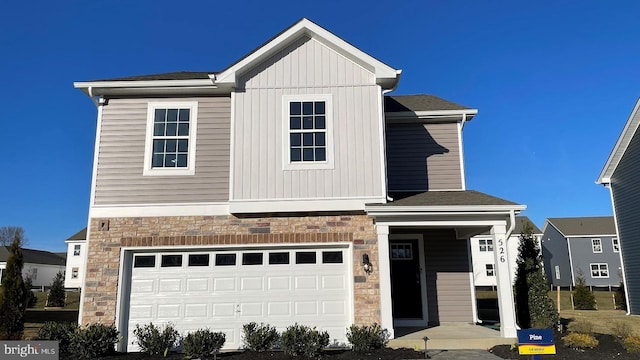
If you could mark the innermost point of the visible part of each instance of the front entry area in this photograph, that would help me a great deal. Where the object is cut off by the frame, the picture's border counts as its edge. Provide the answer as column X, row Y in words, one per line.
column 408, row 285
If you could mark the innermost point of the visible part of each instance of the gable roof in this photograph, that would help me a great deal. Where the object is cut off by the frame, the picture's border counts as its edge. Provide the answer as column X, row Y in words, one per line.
column 630, row 128
column 520, row 223
column 80, row 235
column 447, row 198
column 33, row 256
column 176, row 75
column 584, row 226
column 386, row 76
column 419, row 102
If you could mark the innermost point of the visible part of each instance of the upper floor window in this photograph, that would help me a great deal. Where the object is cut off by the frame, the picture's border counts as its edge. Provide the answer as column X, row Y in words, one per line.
column 596, row 245
column 76, row 250
column 308, row 135
column 171, row 131
column 616, row 245
column 486, row 245
column 600, row 270
column 490, row 270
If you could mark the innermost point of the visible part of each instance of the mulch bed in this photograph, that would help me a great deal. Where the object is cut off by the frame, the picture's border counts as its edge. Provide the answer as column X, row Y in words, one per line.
column 608, row 348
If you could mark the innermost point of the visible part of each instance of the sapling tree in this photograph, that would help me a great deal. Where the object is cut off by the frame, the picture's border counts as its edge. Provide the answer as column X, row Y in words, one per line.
column 13, row 295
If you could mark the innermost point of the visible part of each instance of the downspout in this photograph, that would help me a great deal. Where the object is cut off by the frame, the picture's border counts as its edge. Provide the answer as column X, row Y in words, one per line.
column 615, row 222
column 464, row 120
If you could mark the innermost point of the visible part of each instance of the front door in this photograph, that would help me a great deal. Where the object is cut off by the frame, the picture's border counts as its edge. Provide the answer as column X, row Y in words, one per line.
column 408, row 290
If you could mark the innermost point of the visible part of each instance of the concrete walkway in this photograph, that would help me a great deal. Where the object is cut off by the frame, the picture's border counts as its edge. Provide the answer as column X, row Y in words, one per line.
column 449, row 337
column 461, row 355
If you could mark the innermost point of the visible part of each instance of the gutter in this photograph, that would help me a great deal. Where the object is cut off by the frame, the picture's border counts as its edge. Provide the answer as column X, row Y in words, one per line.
column 93, row 98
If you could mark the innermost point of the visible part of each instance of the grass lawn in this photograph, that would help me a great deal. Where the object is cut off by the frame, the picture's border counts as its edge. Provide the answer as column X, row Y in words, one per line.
column 603, row 320
column 73, row 299
column 36, row 316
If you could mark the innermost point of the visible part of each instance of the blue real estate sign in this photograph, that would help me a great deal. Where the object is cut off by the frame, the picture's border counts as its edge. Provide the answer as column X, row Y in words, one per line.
column 536, row 342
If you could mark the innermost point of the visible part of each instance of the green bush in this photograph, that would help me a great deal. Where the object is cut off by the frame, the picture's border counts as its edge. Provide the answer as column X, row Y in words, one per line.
column 13, row 298
column 631, row 344
column 365, row 338
column 31, row 299
column 154, row 340
column 620, row 298
column 259, row 337
column 58, row 331
column 583, row 298
column 92, row 341
column 621, row 330
column 57, row 294
column 580, row 341
column 203, row 344
column 303, row 341
column 581, row 327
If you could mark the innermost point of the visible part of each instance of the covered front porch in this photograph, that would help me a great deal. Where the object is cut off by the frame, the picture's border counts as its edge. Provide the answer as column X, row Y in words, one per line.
column 425, row 265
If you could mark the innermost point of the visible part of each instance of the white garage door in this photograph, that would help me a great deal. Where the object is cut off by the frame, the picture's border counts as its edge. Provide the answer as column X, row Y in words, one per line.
column 222, row 290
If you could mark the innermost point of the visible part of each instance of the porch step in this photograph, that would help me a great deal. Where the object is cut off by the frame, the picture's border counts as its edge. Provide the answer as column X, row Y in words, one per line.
column 453, row 336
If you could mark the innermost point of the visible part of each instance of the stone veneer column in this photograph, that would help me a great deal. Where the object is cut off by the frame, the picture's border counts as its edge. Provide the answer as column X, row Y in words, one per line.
column 104, row 248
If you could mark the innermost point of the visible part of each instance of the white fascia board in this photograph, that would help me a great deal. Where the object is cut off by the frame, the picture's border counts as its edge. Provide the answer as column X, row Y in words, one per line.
column 630, row 128
column 590, row 236
column 141, row 83
column 300, row 205
column 385, row 74
column 433, row 115
column 151, row 87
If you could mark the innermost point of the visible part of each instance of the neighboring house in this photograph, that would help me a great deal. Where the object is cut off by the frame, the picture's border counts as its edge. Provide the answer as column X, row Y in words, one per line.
column 41, row 266
column 286, row 188
column 483, row 255
column 76, row 245
column 581, row 246
column 621, row 174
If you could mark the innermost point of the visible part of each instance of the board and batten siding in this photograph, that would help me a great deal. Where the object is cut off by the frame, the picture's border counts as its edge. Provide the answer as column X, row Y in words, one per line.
column 625, row 183
column 423, row 157
column 119, row 178
column 306, row 67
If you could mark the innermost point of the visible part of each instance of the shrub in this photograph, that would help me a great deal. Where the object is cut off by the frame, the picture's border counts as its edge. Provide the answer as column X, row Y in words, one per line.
column 154, row 340
column 631, row 344
column 12, row 292
column 365, row 338
column 621, row 330
column 620, row 297
column 58, row 331
column 56, row 296
column 259, row 337
column 580, row 341
column 93, row 341
column 203, row 343
column 300, row 340
column 31, row 298
column 581, row 327
column 583, row 298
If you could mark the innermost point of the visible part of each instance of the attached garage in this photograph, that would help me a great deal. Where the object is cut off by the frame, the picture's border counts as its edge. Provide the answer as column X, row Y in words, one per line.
column 224, row 288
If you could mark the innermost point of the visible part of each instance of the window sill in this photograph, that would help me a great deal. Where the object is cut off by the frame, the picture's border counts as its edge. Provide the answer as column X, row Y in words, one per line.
column 169, row 172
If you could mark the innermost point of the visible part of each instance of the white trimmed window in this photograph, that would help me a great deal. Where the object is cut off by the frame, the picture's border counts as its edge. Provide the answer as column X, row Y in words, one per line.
column 171, row 138
column 596, row 245
column 616, row 245
column 308, row 136
column 490, row 270
column 599, row 270
column 74, row 273
column 76, row 250
column 486, row 245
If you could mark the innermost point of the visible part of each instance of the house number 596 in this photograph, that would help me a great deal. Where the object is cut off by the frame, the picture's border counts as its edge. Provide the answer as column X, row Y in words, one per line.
column 501, row 250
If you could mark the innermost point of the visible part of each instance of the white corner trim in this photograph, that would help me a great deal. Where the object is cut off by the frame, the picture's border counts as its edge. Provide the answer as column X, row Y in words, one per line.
column 383, row 142
column 146, row 210
column 629, row 130
column 96, row 154
column 232, row 145
column 302, row 205
column 148, row 170
column 463, row 180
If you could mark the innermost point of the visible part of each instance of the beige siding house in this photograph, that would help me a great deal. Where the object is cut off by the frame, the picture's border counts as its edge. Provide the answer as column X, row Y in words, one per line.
column 286, row 188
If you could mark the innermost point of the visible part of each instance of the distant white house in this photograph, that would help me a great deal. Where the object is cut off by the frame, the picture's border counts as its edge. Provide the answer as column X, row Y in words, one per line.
column 76, row 245
column 483, row 257
column 41, row 266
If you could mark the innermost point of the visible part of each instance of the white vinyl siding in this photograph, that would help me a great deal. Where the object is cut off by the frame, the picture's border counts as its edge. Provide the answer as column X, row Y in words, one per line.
column 120, row 180
column 307, row 67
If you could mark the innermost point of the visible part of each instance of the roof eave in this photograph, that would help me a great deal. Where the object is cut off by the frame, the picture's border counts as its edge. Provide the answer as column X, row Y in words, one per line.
column 148, row 87
column 441, row 209
column 432, row 115
column 620, row 147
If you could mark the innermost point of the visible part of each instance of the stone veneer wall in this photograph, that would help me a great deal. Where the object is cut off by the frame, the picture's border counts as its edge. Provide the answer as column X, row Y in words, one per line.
column 108, row 235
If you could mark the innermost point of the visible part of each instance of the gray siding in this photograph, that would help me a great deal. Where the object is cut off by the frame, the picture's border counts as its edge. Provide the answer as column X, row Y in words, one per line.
column 423, row 157
column 582, row 256
column 119, row 178
column 555, row 253
column 307, row 67
column 625, row 183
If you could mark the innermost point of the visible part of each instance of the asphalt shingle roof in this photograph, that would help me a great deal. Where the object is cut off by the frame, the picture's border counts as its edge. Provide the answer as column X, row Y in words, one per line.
column 577, row 226
column 34, row 256
column 80, row 235
column 177, row 75
column 421, row 102
column 520, row 223
column 443, row 198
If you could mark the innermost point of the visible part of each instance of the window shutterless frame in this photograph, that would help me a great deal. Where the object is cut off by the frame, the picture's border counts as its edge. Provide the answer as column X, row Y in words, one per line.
column 307, row 132
column 171, row 130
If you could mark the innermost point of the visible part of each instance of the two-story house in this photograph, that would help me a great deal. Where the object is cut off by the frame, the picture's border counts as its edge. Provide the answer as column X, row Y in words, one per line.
column 586, row 247
column 76, row 247
column 484, row 262
column 285, row 188
column 621, row 174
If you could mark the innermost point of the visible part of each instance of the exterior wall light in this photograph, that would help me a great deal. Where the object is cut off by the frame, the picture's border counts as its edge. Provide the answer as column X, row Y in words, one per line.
column 366, row 264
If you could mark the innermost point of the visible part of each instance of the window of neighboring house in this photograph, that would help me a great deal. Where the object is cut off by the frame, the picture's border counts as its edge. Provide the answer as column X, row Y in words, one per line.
column 600, row 270
column 76, row 250
column 74, row 273
column 557, row 267
column 616, row 245
column 596, row 245
column 490, row 269
column 308, row 136
column 171, row 138
column 486, row 245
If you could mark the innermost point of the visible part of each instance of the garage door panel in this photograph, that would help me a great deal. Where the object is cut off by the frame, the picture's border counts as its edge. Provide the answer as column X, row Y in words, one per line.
column 330, row 282
column 198, row 285
column 143, row 285
column 251, row 309
column 222, row 310
column 169, row 312
column 306, row 308
column 169, row 285
column 141, row 312
column 251, row 284
column 195, row 311
column 278, row 283
column 224, row 284
column 333, row 308
column 279, row 309
column 306, row 283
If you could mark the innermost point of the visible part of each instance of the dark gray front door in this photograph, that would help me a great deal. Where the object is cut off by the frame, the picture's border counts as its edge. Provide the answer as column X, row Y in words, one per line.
column 406, row 289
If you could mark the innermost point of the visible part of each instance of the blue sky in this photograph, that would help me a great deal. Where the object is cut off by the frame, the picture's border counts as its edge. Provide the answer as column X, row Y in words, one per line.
column 554, row 82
